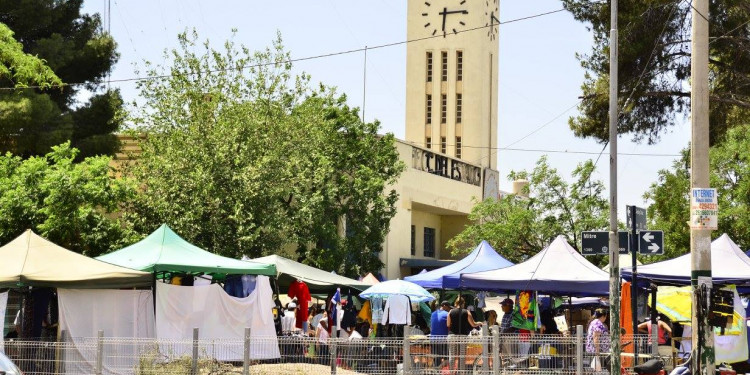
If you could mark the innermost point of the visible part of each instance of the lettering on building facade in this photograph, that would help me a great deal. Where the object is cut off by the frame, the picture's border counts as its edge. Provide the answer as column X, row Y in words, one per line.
column 444, row 166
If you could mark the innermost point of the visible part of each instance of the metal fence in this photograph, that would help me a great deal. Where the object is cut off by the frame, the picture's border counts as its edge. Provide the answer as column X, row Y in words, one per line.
column 485, row 353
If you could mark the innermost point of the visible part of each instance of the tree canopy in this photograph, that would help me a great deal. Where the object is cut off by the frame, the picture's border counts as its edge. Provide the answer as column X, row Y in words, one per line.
column 242, row 157
column 670, row 194
column 520, row 227
column 73, row 204
column 654, row 67
column 74, row 46
column 22, row 69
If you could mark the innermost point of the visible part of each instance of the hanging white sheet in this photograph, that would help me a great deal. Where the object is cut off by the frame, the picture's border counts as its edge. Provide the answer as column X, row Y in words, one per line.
column 3, row 308
column 218, row 316
column 119, row 313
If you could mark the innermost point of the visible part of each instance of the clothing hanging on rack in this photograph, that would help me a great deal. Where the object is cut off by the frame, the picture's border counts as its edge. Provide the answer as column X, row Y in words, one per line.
column 299, row 290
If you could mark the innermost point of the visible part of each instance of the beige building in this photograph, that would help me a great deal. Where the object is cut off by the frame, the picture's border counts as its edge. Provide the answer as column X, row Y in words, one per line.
column 451, row 130
column 451, row 78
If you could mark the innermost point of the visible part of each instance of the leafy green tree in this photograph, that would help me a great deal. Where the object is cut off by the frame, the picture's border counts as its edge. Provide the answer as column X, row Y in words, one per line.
column 654, row 66
column 22, row 69
column 74, row 46
column 243, row 158
column 520, row 227
column 670, row 195
column 71, row 204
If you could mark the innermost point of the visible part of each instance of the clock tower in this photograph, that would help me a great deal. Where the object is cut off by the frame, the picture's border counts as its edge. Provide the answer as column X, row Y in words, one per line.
column 451, row 78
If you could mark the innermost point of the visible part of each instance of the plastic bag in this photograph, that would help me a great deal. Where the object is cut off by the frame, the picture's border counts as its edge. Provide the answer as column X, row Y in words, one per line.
column 596, row 364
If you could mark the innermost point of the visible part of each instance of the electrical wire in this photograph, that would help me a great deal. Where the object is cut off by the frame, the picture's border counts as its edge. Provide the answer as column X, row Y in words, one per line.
column 315, row 57
column 699, row 12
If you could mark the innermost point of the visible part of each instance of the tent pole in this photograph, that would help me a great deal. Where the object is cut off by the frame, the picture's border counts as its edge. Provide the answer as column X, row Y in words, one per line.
column 570, row 313
column 153, row 290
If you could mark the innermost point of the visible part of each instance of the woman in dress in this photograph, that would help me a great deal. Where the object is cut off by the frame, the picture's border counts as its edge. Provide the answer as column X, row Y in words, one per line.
column 597, row 338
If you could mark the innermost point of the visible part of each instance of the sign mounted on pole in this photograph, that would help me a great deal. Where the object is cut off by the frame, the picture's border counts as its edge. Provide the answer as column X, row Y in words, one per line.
column 651, row 242
column 704, row 209
column 597, row 243
column 640, row 218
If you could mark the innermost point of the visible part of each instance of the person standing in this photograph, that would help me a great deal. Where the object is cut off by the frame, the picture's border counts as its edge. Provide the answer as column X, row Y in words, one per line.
column 288, row 321
column 439, row 332
column 505, row 323
column 460, row 323
column 597, row 338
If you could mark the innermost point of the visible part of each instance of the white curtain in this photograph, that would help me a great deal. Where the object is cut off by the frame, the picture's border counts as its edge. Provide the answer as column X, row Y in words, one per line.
column 3, row 308
column 218, row 316
column 119, row 313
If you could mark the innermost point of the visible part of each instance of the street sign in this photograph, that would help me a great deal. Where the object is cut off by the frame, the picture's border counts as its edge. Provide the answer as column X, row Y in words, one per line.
column 624, row 241
column 640, row 218
column 651, row 242
column 704, row 209
column 597, row 243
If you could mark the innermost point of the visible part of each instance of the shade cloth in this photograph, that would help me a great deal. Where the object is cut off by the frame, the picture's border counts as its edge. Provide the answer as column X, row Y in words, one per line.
column 558, row 269
column 164, row 250
column 482, row 258
column 119, row 313
column 317, row 280
column 218, row 316
column 398, row 287
column 729, row 265
column 30, row 260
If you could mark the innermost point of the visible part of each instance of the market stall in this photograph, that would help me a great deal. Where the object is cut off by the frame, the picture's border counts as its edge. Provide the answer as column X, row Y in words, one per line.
column 482, row 258
column 317, row 280
column 729, row 265
column 30, row 260
column 557, row 269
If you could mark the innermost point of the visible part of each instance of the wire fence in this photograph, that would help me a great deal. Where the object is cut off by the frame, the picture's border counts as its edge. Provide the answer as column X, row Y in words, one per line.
column 487, row 352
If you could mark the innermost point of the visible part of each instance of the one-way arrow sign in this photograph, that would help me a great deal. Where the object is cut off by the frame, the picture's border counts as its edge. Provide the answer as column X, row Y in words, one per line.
column 651, row 242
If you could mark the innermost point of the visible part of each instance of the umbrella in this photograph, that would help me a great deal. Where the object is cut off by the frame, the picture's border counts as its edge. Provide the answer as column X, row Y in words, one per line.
column 415, row 292
column 674, row 302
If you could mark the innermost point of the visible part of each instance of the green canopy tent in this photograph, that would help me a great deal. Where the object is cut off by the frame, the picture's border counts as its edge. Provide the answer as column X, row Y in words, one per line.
column 163, row 251
column 317, row 280
column 30, row 260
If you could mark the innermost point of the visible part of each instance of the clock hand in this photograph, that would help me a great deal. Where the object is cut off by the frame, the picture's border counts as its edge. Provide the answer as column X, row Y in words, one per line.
column 444, row 13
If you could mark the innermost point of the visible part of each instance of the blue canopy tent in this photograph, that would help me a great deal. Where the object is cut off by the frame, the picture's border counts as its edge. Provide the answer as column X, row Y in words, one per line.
column 729, row 265
column 482, row 258
column 558, row 269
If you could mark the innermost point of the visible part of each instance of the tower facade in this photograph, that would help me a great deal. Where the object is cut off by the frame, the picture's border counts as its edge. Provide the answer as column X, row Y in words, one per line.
column 451, row 78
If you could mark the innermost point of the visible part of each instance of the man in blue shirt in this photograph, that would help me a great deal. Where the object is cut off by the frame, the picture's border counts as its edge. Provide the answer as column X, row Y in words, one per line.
column 439, row 332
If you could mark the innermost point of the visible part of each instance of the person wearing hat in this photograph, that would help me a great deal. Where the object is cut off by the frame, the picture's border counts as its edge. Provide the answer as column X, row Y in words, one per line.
column 505, row 323
column 439, row 332
column 289, row 320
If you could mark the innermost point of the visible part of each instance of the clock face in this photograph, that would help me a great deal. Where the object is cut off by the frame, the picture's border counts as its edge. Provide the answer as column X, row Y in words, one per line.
column 491, row 18
column 444, row 17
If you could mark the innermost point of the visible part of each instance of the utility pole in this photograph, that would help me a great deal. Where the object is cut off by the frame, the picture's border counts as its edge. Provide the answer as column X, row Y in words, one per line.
column 614, row 246
column 700, row 239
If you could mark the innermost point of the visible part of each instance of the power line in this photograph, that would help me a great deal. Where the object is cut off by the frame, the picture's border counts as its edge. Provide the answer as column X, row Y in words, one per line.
column 552, row 151
column 699, row 12
column 326, row 55
column 640, row 77
column 545, row 124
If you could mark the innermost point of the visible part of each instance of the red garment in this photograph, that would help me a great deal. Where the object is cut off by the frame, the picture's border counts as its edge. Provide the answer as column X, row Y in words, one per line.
column 299, row 290
column 662, row 334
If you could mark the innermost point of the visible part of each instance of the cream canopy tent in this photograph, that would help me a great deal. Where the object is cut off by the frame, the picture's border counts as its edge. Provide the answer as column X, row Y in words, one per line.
column 30, row 260
column 370, row 279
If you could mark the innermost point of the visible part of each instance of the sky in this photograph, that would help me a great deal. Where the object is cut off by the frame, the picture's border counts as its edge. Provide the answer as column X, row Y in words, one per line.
column 539, row 75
